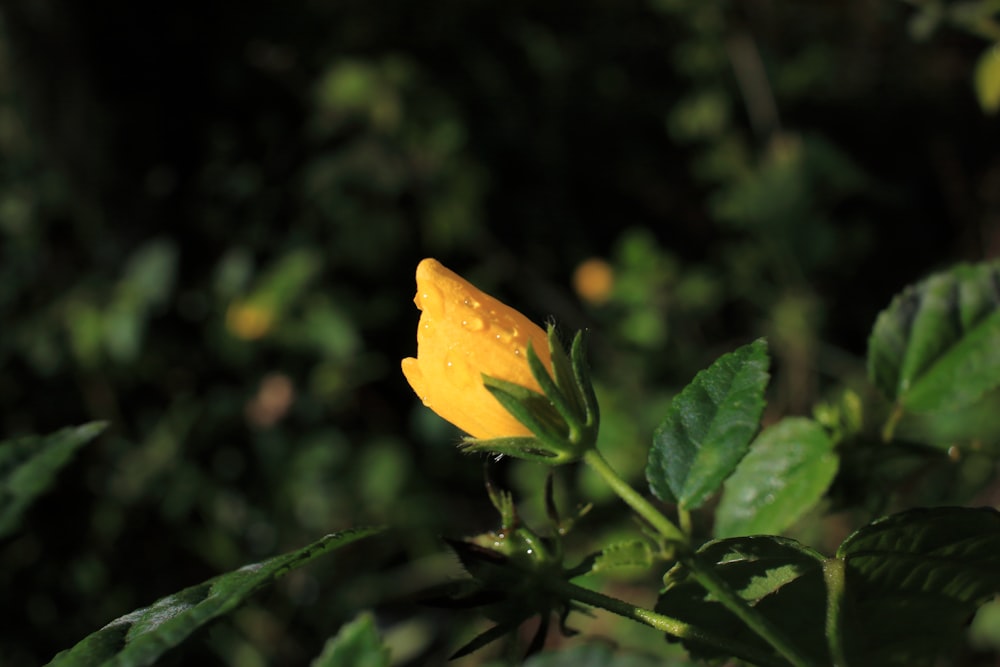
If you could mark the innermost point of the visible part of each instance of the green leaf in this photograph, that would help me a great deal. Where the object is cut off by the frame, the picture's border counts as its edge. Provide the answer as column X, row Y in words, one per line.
column 937, row 345
column 709, row 427
column 142, row 636
column 357, row 644
column 789, row 467
column 987, row 79
column 628, row 554
column 915, row 579
column 28, row 466
column 779, row 577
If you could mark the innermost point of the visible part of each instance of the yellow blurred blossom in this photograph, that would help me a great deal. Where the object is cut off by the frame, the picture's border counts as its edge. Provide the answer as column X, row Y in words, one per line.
column 249, row 321
column 463, row 334
column 593, row 281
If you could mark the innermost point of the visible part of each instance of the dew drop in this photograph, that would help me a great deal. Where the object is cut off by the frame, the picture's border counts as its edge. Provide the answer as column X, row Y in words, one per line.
column 474, row 324
column 429, row 299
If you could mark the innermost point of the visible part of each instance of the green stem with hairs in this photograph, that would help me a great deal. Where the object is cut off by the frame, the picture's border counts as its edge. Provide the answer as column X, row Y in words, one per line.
column 833, row 576
column 671, row 626
column 634, row 499
column 701, row 572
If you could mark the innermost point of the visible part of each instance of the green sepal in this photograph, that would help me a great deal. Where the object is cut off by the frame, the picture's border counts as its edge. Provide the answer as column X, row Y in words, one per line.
column 553, row 392
column 562, row 368
column 530, row 408
column 488, row 637
column 581, row 372
column 521, row 447
column 563, row 418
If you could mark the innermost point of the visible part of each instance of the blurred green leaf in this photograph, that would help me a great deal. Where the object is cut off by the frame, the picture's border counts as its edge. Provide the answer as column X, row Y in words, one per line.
column 149, row 274
column 915, row 579
column 937, row 345
column 142, row 636
column 787, row 470
column 356, row 644
column 596, row 655
column 987, row 79
column 984, row 632
column 703, row 115
column 780, row 578
column 709, row 427
column 28, row 466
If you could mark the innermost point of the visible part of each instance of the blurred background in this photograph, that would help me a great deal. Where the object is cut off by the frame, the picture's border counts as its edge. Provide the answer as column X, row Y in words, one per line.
column 210, row 216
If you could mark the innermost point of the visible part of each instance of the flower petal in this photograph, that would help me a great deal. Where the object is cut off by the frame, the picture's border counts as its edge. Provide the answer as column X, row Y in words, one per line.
column 463, row 334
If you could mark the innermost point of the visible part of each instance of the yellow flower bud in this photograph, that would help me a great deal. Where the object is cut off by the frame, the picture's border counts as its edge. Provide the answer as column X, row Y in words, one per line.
column 464, row 334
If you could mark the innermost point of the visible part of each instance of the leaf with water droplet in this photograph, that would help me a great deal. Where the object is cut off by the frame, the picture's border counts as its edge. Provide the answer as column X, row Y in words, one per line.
column 142, row 636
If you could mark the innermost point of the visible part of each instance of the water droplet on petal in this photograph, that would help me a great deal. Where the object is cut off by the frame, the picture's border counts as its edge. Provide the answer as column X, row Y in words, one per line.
column 429, row 299
column 473, row 323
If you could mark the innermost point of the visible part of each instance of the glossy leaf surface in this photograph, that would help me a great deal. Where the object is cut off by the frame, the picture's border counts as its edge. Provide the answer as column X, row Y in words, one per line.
column 708, row 427
column 789, row 467
column 779, row 577
column 914, row 580
column 938, row 343
column 142, row 636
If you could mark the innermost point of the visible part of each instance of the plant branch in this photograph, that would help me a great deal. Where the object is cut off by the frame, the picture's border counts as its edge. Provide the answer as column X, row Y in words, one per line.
column 702, row 572
column 671, row 626
column 756, row 621
column 634, row 499
column 833, row 575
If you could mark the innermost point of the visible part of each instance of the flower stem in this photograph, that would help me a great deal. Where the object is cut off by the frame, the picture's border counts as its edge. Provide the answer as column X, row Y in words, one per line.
column 833, row 575
column 684, row 519
column 671, row 626
column 756, row 621
column 633, row 498
column 701, row 572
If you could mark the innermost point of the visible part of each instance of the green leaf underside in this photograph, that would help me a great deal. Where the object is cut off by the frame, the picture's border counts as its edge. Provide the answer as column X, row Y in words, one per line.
column 937, row 345
column 779, row 577
column 142, row 636
column 915, row 579
column 356, row 644
column 788, row 468
column 708, row 427
column 29, row 465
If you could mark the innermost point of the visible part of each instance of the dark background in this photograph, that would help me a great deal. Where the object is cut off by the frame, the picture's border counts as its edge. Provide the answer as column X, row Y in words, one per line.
column 210, row 215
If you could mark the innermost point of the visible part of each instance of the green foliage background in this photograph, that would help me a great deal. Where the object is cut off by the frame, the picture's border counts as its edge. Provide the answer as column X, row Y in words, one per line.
column 173, row 175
